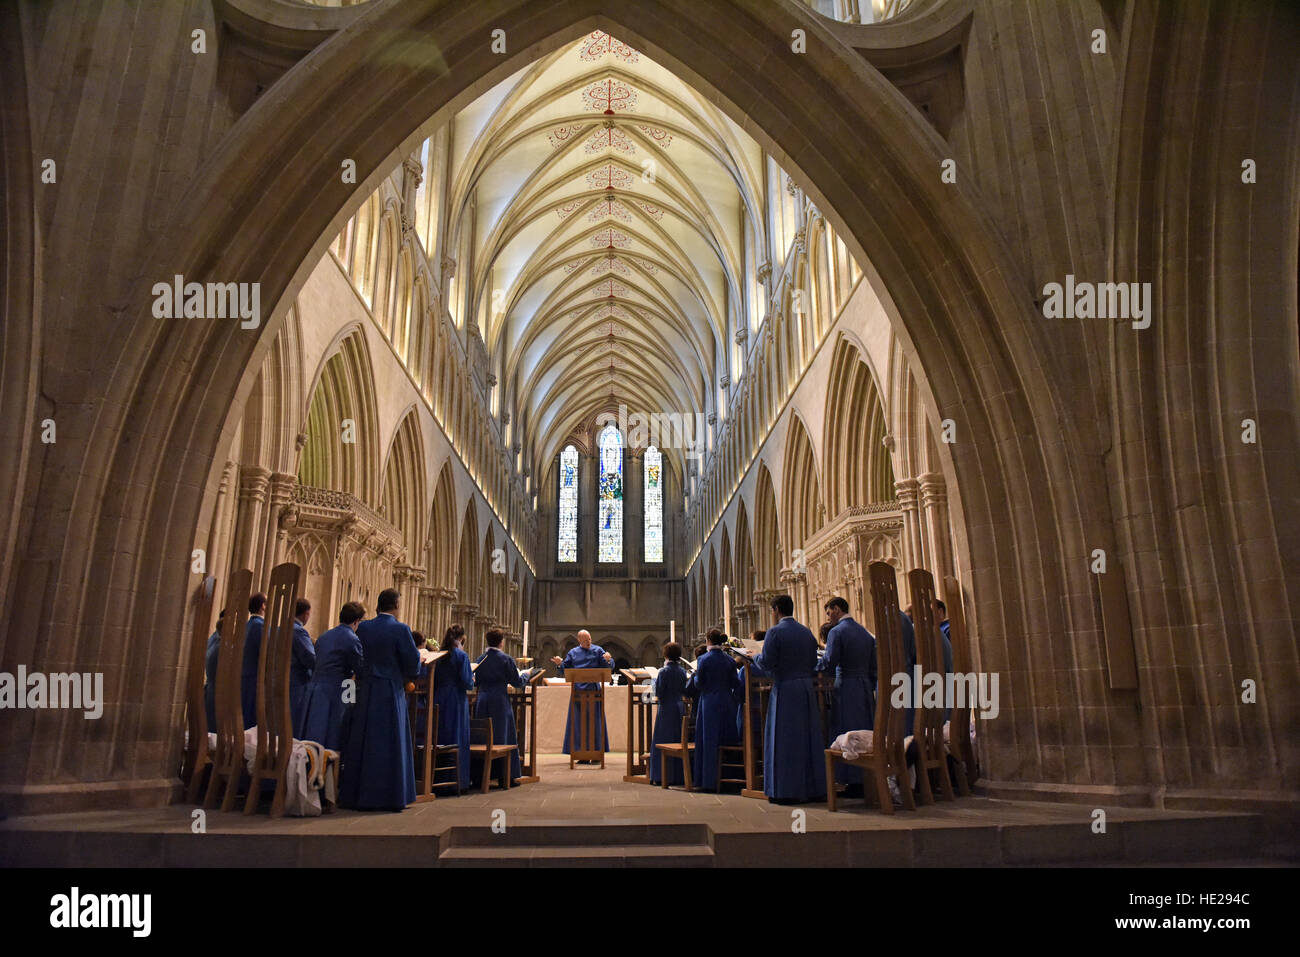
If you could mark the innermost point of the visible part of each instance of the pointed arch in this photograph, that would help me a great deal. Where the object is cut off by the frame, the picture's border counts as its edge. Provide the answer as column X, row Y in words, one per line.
column 858, row 469
column 768, row 555
column 343, row 423
column 801, row 495
column 405, row 483
column 443, row 531
column 745, row 585
column 467, row 568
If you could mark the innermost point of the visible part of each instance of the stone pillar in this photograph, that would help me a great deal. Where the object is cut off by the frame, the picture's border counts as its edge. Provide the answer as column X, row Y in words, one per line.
column 934, row 506
column 483, row 624
column 280, row 495
column 249, row 521
column 219, row 534
column 913, row 549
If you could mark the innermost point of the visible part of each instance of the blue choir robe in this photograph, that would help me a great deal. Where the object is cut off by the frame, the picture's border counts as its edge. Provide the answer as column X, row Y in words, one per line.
column 670, row 683
column 301, row 663
column 946, row 641
column 593, row 657
column 716, row 681
column 495, row 672
column 794, row 754
column 851, row 657
column 248, row 670
column 324, row 712
column 378, row 765
column 757, row 715
column 452, row 680
column 210, row 659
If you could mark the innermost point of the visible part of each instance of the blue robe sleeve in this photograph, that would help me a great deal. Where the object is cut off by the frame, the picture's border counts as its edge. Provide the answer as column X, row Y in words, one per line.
column 515, row 678
column 304, row 652
column 408, row 657
column 466, row 674
column 355, row 656
column 769, row 658
column 831, row 659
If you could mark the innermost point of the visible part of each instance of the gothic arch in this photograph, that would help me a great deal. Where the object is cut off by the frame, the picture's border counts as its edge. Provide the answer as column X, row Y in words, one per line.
column 801, row 496
column 768, row 556
column 342, row 394
column 443, row 531
column 858, row 469
column 405, row 486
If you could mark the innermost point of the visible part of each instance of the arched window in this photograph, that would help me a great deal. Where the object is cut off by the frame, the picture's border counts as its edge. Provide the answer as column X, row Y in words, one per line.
column 568, row 511
column 654, row 505
column 610, row 514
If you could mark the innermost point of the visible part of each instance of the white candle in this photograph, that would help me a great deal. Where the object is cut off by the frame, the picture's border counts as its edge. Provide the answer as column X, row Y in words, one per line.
column 672, row 630
column 726, row 608
column 525, row 654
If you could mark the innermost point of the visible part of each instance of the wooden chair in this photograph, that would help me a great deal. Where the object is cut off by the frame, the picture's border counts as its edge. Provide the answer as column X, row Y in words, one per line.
column 683, row 750
column 885, row 758
column 274, row 716
column 228, row 762
column 927, row 729
column 197, row 757
column 640, row 724
column 959, row 743
column 525, row 704
column 482, row 746
column 587, row 713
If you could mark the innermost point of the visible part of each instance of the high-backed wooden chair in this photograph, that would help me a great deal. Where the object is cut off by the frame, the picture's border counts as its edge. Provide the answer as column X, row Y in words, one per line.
column 482, row 746
column 683, row 750
column 753, row 724
column 885, row 757
column 927, row 728
column 197, row 757
column 228, row 762
column 587, row 713
column 274, row 716
column 959, row 742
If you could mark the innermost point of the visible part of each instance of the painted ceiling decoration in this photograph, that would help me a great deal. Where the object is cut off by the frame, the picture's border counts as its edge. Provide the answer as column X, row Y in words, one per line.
column 596, row 185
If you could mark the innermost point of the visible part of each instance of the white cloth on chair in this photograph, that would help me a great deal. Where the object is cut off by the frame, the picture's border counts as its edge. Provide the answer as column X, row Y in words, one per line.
column 853, row 744
column 312, row 769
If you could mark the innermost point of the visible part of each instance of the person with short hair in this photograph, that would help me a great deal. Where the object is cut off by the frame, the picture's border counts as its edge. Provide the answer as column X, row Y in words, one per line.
column 670, row 683
column 585, row 655
column 252, row 653
column 794, row 764
column 378, row 764
column 496, row 672
column 210, row 659
column 301, row 664
column 851, row 658
column 326, row 705
column 716, row 681
column 453, row 679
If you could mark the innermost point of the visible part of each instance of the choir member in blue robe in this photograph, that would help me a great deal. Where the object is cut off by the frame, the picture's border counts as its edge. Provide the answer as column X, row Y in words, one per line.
column 252, row 651
column 453, row 679
column 421, row 700
column 670, row 684
column 716, row 681
column 210, row 659
column 794, row 754
column 338, row 657
column 851, row 657
column 909, row 663
column 497, row 671
column 586, row 655
column 378, row 765
column 301, row 664
column 945, row 639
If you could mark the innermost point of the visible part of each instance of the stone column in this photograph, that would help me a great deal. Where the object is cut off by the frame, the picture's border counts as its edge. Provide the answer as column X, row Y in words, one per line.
column 934, row 505
column 913, row 549
column 279, row 497
column 249, row 522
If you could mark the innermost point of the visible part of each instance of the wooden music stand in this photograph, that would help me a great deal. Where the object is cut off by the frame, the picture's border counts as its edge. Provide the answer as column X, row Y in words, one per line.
column 525, row 705
column 959, row 724
column 757, row 691
column 274, row 716
column 197, row 757
column 228, row 763
column 640, row 724
column 423, row 688
column 886, row 757
column 927, row 729
column 588, row 704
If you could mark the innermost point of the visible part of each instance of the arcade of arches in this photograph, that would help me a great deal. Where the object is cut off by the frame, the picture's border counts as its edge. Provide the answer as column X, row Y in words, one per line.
column 659, row 212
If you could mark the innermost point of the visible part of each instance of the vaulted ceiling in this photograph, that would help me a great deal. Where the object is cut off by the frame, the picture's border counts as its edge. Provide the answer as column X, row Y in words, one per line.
column 613, row 212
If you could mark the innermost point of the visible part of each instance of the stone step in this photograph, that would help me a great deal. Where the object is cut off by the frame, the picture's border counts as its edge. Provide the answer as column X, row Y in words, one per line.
column 572, row 834
column 643, row 855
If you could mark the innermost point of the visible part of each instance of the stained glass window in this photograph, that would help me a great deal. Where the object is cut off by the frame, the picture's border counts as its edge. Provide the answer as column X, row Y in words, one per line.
column 654, row 505
column 610, row 500
column 568, row 505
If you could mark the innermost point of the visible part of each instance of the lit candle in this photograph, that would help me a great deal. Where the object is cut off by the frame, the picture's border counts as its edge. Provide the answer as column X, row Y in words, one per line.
column 726, row 609
column 672, row 630
column 525, row 640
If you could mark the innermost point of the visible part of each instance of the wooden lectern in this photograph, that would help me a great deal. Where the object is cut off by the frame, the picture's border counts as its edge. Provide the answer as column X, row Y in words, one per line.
column 640, row 724
column 525, row 704
column 587, row 713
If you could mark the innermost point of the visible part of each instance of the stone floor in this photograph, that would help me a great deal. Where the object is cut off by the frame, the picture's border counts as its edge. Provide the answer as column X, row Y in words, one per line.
column 589, row 815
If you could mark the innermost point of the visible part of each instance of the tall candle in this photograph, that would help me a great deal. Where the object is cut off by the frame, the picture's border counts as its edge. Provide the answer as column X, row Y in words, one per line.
column 672, row 630
column 726, row 609
column 525, row 640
